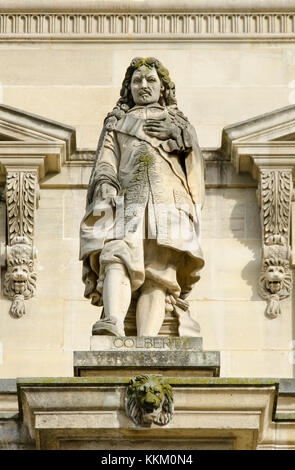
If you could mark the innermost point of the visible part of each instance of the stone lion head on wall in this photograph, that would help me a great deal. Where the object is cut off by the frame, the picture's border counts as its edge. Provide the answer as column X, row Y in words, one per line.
column 275, row 283
column 149, row 399
column 20, row 278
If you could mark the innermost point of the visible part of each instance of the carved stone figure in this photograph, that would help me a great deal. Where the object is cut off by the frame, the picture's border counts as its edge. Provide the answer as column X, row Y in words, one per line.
column 140, row 233
column 20, row 278
column 149, row 399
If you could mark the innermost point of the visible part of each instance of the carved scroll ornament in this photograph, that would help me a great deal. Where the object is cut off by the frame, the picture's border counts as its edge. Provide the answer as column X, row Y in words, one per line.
column 275, row 279
column 21, row 202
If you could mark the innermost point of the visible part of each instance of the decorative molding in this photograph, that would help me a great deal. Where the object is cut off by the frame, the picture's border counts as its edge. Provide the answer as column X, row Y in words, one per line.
column 167, row 26
column 275, row 280
column 31, row 147
column 190, row 6
column 55, row 410
column 265, row 146
column 21, row 203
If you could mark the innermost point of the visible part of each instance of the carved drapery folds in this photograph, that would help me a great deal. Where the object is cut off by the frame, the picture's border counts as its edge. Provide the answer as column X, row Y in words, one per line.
column 21, row 202
column 275, row 279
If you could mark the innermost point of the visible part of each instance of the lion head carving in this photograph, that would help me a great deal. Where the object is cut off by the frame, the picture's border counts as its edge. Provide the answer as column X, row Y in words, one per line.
column 275, row 277
column 149, row 399
column 275, row 283
column 20, row 278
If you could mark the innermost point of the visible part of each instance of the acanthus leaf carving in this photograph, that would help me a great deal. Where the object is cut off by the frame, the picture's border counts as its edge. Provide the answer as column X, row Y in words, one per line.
column 21, row 201
column 275, row 280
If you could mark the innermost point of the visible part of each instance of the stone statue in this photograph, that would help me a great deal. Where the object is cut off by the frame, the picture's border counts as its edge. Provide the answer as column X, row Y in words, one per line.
column 140, row 233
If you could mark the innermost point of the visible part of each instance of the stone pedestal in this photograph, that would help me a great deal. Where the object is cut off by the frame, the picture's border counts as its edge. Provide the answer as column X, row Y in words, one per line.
column 89, row 413
column 132, row 355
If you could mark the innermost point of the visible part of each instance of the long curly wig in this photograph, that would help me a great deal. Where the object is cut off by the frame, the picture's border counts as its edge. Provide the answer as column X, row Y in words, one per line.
column 126, row 102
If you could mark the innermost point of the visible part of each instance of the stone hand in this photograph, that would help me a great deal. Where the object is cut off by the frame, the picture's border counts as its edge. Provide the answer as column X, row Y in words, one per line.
column 161, row 129
column 108, row 191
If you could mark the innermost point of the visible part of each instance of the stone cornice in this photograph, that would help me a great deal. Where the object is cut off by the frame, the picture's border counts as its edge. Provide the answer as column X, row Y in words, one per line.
column 106, row 25
column 54, row 408
column 28, row 140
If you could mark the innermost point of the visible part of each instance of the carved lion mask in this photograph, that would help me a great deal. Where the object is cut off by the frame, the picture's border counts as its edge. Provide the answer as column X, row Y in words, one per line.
column 276, row 277
column 149, row 400
column 20, row 279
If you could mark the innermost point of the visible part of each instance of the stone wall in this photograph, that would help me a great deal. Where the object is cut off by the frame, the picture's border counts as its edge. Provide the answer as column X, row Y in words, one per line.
column 218, row 82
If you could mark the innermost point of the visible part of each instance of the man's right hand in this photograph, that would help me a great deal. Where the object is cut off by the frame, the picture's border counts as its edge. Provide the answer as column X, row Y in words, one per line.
column 104, row 191
column 108, row 191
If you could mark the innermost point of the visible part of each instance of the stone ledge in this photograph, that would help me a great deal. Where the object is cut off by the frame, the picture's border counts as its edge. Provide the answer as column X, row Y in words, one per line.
column 179, row 363
column 93, row 410
column 7, row 385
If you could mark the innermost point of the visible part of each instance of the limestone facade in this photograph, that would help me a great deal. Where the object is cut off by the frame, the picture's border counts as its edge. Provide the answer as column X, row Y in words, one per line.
column 63, row 71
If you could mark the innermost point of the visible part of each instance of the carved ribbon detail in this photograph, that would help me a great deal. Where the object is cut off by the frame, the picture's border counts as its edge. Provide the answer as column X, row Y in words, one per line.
column 21, row 201
column 275, row 279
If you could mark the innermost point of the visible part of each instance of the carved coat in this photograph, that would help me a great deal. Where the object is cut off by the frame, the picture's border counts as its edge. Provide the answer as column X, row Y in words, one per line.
column 151, row 175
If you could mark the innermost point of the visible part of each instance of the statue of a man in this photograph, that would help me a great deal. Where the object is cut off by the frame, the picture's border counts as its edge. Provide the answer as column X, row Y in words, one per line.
column 148, row 170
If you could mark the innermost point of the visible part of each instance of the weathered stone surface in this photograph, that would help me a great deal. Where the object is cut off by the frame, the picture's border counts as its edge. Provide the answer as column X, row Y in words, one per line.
column 93, row 409
column 269, row 157
column 170, row 362
column 147, row 250
column 7, row 385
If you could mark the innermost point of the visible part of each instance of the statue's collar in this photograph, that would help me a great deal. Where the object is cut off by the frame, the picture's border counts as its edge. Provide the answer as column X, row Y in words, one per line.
column 152, row 105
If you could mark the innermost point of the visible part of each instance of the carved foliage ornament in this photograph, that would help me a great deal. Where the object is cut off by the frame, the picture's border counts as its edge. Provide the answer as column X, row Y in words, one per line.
column 275, row 279
column 21, row 203
column 149, row 400
column 21, row 200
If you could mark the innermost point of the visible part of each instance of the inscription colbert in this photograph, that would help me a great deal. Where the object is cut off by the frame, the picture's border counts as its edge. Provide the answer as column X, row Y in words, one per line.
column 151, row 342
column 145, row 343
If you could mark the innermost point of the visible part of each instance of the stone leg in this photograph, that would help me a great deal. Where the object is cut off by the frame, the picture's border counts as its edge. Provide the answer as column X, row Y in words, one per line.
column 150, row 310
column 116, row 294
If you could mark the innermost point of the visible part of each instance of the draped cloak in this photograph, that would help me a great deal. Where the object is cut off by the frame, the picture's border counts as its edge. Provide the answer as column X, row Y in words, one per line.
column 150, row 175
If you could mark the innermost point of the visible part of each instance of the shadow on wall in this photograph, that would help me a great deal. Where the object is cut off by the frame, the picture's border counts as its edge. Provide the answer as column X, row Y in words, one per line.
column 244, row 225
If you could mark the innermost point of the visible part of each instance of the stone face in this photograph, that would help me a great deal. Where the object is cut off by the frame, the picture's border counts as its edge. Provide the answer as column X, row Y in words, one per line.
column 149, row 400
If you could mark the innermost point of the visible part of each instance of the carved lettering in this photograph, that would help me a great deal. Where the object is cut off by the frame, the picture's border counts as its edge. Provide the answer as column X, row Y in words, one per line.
column 150, row 342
